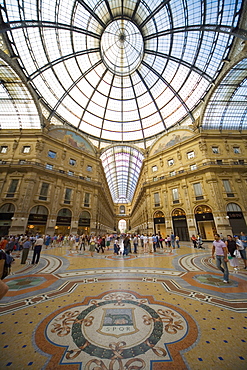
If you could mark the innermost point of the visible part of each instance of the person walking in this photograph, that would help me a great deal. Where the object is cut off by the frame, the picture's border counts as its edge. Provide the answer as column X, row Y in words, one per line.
column 219, row 250
column 37, row 249
column 177, row 241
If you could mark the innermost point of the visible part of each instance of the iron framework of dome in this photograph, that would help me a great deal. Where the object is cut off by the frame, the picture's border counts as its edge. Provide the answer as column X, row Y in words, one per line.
column 121, row 71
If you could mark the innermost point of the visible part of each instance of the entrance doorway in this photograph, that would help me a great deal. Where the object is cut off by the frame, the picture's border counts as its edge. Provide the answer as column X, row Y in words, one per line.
column 236, row 218
column 205, row 222
column 122, row 226
column 180, row 226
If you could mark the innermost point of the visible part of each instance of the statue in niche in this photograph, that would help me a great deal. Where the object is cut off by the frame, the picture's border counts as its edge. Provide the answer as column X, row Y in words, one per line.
column 203, row 146
column 64, row 154
column 179, row 155
column 39, row 146
column 15, row 144
column 161, row 162
column 227, row 146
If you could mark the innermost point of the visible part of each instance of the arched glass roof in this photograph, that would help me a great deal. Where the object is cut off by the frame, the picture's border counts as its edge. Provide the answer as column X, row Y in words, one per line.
column 121, row 71
column 122, row 165
column 18, row 109
column 227, row 108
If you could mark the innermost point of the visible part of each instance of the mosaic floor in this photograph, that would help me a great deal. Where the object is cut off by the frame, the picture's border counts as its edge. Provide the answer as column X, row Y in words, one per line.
column 146, row 311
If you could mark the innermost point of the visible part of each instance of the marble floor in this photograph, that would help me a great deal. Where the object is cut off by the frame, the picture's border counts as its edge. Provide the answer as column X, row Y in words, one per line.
column 168, row 309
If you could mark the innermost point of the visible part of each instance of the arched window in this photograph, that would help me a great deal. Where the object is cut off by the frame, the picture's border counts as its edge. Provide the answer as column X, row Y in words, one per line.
column 64, row 212
column 39, row 210
column 233, row 207
column 7, row 208
column 178, row 212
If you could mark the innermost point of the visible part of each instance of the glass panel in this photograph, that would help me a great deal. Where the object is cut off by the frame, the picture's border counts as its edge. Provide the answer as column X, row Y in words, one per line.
column 151, row 67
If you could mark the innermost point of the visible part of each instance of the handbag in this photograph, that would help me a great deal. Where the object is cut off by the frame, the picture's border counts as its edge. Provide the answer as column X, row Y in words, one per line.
column 237, row 253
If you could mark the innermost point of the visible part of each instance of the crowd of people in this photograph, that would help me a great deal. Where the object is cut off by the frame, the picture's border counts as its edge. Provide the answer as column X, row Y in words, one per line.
column 231, row 249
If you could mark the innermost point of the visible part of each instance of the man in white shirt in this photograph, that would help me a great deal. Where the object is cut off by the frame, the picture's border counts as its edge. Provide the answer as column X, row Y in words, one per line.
column 37, row 249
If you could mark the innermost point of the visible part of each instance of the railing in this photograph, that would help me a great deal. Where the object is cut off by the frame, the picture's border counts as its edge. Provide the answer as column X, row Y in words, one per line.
column 37, row 164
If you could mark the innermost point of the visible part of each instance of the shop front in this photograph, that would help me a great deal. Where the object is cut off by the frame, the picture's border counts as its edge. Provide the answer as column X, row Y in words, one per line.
column 37, row 220
column 63, row 222
column 236, row 218
column 205, row 222
column 180, row 227
column 6, row 213
column 84, row 223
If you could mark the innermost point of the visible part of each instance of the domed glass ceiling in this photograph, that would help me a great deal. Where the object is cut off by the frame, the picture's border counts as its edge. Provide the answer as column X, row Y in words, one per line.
column 120, row 71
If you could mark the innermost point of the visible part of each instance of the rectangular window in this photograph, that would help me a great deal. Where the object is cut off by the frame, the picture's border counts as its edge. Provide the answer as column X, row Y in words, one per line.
column 26, row 149
column 228, row 189
column 175, row 196
column 44, row 191
column 236, row 150
column 49, row 166
column 89, row 168
column 70, row 173
column 172, row 173
column 170, row 162
column 22, row 161
column 198, row 190
column 12, row 188
column 191, row 154
column 193, row 167
column 156, row 199
column 72, row 162
column 215, row 149
column 155, row 178
column 154, row 168
column 4, row 149
column 52, row 154
column 86, row 199
column 67, row 196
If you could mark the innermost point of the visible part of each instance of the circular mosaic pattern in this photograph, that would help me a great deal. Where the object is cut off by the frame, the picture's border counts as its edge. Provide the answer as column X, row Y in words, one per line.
column 118, row 322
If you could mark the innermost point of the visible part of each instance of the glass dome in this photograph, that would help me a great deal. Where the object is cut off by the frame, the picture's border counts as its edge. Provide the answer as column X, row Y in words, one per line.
column 120, row 71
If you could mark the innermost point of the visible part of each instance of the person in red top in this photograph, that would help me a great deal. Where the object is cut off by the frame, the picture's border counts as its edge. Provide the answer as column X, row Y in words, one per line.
column 220, row 250
column 3, row 243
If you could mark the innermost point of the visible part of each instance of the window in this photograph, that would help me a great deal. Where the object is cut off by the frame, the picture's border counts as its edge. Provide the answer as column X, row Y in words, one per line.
column 70, row 173
column 154, row 168
column 236, row 150
column 175, row 196
column 241, row 161
column 193, row 167
column 172, row 173
column 4, row 149
column 49, row 166
column 215, row 149
column 22, row 161
column 122, row 209
column 191, row 154
column 72, row 162
column 67, row 196
column 52, row 154
column 228, row 189
column 156, row 199
column 89, row 168
column 170, row 162
column 86, row 199
column 44, row 191
column 26, row 149
column 219, row 161
column 12, row 188
column 88, row 178
column 155, row 178
column 198, row 190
